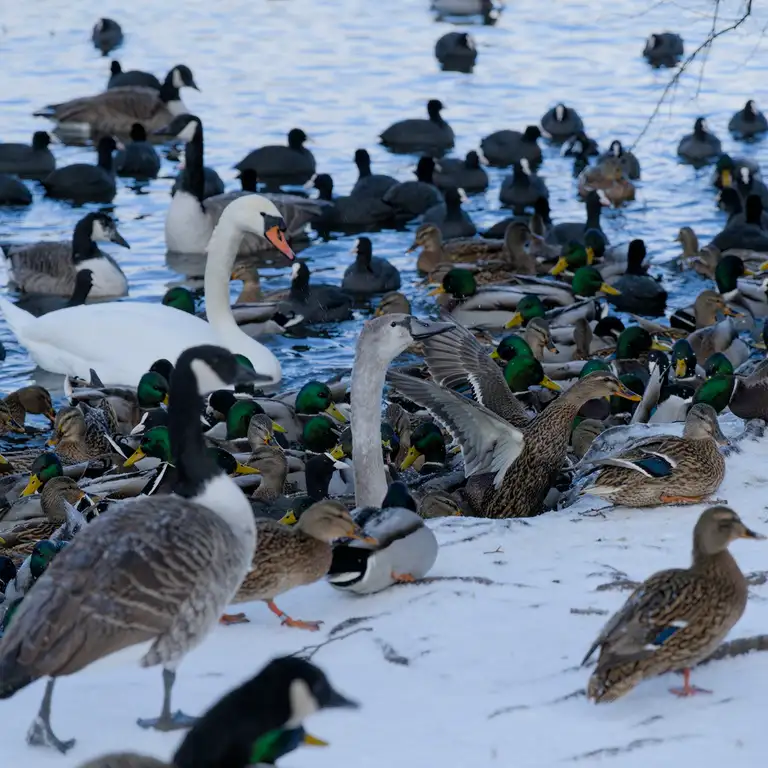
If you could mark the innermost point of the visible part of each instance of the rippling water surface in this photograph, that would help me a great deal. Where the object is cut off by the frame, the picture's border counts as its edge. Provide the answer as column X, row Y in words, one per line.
column 345, row 69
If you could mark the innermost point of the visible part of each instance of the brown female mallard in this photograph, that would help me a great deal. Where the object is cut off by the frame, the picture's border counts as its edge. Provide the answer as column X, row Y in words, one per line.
column 666, row 469
column 293, row 556
column 510, row 470
column 676, row 618
column 33, row 399
column 80, row 432
column 435, row 251
column 7, row 422
column 609, row 178
column 55, row 494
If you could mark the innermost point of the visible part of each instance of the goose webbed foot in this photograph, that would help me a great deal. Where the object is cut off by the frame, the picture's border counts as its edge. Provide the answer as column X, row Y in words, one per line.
column 403, row 578
column 233, row 618
column 168, row 721
column 287, row 621
column 40, row 733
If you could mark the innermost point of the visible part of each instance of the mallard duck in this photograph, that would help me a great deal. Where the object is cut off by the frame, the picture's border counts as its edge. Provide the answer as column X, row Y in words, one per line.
column 80, row 433
column 676, row 618
column 666, row 470
column 703, row 314
column 536, row 338
column 399, row 547
column 8, row 423
column 629, row 163
column 32, row 399
column 608, row 177
column 702, row 260
column 155, row 444
column 743, row 294
column 427, row 452
column 27, row 574
column 721, row 337
column 435, row 251
column 584, row 434
column 253, row 725
column 320, row 435
column 288, row 557
column 251, row 290
column 513, row 469
column 638, row 291
column 393, row 302
column 44, row 467
column 53, row 499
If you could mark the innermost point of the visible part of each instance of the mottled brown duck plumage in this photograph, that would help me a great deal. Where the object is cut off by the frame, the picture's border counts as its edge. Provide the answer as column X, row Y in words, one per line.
column 32, row 399
column 676, row 618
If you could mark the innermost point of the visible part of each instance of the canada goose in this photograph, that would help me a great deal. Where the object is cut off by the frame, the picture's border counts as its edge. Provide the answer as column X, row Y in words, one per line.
column 115, row 110
column 124, row 557
column 51, row 267
column 28, row 162
column 85, row 183
column 191, row 219
column 39, row 304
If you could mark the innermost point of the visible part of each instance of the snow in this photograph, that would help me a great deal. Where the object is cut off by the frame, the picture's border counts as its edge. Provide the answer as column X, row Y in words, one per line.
column 476, row 666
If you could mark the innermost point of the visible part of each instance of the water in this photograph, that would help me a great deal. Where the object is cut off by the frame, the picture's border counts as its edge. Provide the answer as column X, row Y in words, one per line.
column 343, row 70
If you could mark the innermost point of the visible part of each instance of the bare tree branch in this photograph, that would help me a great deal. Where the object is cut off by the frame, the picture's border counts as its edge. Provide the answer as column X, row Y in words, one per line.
column 705, row 46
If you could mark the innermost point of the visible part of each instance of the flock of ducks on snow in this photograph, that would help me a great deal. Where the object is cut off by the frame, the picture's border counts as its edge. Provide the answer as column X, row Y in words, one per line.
column 176, row 487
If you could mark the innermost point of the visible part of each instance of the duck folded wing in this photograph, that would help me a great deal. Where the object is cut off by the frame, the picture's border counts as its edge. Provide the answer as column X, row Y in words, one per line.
column 456, row 357
column 659, row 608
column 132, row 578
column 488, row 444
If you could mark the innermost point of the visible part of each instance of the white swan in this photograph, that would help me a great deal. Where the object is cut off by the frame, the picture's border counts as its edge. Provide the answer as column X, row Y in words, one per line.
column 121, row 340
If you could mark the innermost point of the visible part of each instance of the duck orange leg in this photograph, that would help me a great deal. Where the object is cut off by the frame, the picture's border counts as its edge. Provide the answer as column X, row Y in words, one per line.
column 687, row 689
column 667, row 498
column 403, row 578
column 287, row 621
column 233, row 618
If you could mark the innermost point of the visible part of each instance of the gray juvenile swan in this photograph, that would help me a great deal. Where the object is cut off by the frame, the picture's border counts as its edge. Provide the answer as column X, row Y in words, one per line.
column 154, row 569
column 381, row 341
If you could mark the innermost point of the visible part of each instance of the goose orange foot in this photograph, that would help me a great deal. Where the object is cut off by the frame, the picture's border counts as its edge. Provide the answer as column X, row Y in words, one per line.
column 403, row 578
column 687, row 689
column 287, row 621
column 233, row 618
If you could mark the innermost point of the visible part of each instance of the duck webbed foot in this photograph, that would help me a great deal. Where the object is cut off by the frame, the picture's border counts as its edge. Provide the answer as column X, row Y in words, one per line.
column 667, row 498
column 687, row 689
column 168, row 721
column 403, row 578
column 40, row 733
column 287, row 621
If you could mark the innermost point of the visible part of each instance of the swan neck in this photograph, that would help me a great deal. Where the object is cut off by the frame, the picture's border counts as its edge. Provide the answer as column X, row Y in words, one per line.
column 367, row 385
column 222, row 251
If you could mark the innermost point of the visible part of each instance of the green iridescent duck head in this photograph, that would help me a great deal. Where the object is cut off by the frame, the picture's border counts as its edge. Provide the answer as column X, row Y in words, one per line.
column 683, row 359
column 319, row 434
column 180, row 298
column 718, row 363
column 42, row 554
column 587, row 281
column 575, row 256
column 727, row 273
column 594, row 365
column 152, row 390
column 45, row 467
column 315, row 397
column 636, row 341
column 155, row 443
column 239, row 417
column 523, row 372
column 510, row 347
column 426, row 440
column 595, row 240
column 528, row 307
column 716, row 391
column 457, row 282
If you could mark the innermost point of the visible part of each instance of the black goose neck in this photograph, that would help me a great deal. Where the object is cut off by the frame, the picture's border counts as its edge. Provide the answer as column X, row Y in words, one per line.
column 83, row 246
column 300, row 283
column 594, row 209
column 83, row 285
column 195, row 467
column 168, row 91
column 193, row 180
column 363, row 163
column 105, row 155
column 754, row 211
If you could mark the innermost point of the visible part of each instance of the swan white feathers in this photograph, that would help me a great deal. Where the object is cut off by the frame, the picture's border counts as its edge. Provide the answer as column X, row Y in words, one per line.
column 121, row 340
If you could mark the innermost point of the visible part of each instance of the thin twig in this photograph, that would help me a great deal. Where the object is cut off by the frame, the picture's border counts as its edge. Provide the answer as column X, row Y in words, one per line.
column 711, row 37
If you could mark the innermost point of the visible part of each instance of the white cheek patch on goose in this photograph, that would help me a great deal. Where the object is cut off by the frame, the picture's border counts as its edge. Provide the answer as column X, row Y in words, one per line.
column 303, row 703
column 295, row 270
column 207, row 379
column 559, row 113
column 98, row 233
column 178, row 80
column 187, row 133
